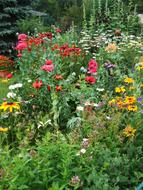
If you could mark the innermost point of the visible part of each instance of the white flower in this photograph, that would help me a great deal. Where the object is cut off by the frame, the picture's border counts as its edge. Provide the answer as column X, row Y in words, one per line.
column 87, row 103
column 83, row 151
column 11, row 95
column 100, row 89
column 29, row 80
column 80, row 108
column 14, row 86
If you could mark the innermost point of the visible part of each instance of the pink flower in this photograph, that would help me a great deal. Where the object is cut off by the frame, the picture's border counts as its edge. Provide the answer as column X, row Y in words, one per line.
column 19, row 55
column 48, row 62
column 92, row 66
column 9, row 75
column 47, row 68
column 22, row 37
column 21, row 46
column 37, row 84
column 58, row 30
column 90, row 79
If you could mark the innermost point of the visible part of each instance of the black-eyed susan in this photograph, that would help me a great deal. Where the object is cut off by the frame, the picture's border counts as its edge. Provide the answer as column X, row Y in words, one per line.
column 132, row 108
column 2, row 129
column 130, row 100
column 10, row 105
column 129, row 131
column 128, row 80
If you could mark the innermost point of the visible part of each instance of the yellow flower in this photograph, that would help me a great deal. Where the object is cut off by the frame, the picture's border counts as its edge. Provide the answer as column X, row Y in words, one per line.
column 120, row 89
column 130, row 99
column 3, row 129
column 10, row 106
column 132, row 108
column 112, row 102
column 129, row 131
column 128, row 80
column 111, row 48
column 4, row 80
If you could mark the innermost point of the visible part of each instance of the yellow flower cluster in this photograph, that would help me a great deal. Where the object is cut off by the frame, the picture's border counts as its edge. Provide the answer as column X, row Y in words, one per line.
column 3, row 129
column 129, row 131
column 120, row 89
column 140, row 64
column 128, row 102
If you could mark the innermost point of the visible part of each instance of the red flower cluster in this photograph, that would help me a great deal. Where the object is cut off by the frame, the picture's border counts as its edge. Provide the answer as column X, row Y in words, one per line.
column 48, row 67
column 92, row 66
column 66, row 51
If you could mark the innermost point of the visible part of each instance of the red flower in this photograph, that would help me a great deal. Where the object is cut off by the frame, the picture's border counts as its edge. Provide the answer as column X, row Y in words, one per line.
column 92, row 66
column 47, row 68
column 58, row 30
column 58, row 88
column 48, row 62
column 22, row 37
column 37, row 84
column 19, row 55
column 58, row 77
column 9, row 75
column 49, row 88
column 90, row 79
column 21, row 46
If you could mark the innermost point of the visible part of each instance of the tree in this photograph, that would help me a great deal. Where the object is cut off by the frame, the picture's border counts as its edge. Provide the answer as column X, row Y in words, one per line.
column 10, row 12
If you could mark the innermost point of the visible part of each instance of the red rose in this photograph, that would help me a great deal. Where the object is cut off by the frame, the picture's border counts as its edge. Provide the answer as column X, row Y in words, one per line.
column 90, row 79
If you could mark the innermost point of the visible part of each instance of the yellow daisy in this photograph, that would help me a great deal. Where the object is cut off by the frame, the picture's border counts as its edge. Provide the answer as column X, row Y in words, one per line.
column 10, row 106
column 3, row 129
column 129, row 131
column 128, row 80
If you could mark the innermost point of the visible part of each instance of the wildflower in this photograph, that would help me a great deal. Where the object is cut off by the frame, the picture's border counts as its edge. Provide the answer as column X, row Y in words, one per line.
column 58, row 77
column 49, row 88
column 48, row 62
column 130, row 99
column 85, row 142
column 21, row 46
column 9, row 75
column 109, row 65
column 111, row 48
column 22, row 37
column 132, row 108
column 120, row 89
column 129, row 131
column 58, row 30
column 100, row 89
column 131, row 88
column 80, row 108
column 112, row 102
column 2, row 129
column 128, row 80
column 10, row 106
column 48, row 68
column 90, row 79
column 92, row 66
column 11, row 95
column 75, row 180
column 139, row 99
column 58, row 88
column 37, row 84
column 14, row 86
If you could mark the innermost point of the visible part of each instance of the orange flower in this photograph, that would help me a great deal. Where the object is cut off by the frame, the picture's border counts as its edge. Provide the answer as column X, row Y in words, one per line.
column 58, row 88
column 58, row 77
column 111, row 48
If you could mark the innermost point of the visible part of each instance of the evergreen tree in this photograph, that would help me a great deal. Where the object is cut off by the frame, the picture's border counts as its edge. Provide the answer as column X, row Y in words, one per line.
column 10, row 12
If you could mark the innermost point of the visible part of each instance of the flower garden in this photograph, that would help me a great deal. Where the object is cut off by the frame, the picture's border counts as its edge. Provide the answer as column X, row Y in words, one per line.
column 71, row 111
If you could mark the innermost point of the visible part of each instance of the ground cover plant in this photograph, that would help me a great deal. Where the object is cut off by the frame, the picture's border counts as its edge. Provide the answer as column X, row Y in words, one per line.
column 71, row 117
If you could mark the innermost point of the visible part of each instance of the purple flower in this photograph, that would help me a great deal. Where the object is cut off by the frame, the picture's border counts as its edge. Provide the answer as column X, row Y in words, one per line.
column 139, row 99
